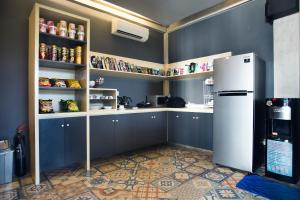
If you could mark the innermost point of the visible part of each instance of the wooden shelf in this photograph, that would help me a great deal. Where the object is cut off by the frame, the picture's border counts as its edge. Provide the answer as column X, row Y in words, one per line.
column 114, row 73
column 202, row 60
column 105, row 72
column 103, row 89
column 103, row 99
column 190, row 76
column 49, row 38
column 60, row 65
column 61, row 115
column 61, row 89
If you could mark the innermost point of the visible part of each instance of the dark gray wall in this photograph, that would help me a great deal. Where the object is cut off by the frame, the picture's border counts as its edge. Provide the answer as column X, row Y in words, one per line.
column 240, row 30
column 14, row 58
column 103, row 41
column 14, row 52
column 137, row 89
column 190, row 90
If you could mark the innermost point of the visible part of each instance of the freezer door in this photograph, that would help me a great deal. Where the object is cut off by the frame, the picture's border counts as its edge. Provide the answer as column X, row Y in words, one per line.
column 234, row 73
column 233, row 130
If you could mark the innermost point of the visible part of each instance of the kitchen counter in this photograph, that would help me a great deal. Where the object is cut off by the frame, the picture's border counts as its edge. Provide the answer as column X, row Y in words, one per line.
column 145, row 110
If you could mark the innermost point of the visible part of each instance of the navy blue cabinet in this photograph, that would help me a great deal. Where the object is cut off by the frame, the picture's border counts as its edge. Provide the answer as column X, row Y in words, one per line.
column 194, row 134
column 112, row 134
column 75, row 140
column 206, row 130
column 125, row 133
column 192, row 129
column 102, row 136
column 160, row 127
column 178, row 128
column 143, row 132
column 51, row 144
column 151, row 129
column 203, row 124
column 62, row 142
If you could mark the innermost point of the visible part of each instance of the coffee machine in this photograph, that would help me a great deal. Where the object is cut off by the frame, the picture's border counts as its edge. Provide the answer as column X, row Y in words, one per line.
column 283, row 139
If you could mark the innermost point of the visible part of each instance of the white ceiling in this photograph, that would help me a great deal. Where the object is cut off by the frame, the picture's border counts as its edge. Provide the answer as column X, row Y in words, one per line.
column 165, row 11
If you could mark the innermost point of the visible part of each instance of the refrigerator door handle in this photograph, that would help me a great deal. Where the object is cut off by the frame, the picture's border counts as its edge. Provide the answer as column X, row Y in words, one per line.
column 234, row 93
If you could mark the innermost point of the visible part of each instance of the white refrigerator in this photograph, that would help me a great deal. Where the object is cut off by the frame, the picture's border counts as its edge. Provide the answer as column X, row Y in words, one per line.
column 238, row 122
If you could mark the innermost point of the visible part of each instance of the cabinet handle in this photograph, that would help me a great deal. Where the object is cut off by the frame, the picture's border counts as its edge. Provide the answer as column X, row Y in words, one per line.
column 68, row 125
column 117, row 120
column 62, row 125
column 151, row 117
column 113, row 120
column 154, row 117
column 177, row 116
column 197, row 117
column 193, row 117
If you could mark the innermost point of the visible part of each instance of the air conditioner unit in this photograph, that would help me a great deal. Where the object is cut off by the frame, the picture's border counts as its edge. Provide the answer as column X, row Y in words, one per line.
column 129, row 30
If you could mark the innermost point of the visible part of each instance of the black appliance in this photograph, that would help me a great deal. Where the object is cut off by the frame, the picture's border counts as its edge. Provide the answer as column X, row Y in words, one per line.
column 20, row 159
column 125, row 101
column 283, row 139
column 144, row 104
column 275, row 9
column 175, row 102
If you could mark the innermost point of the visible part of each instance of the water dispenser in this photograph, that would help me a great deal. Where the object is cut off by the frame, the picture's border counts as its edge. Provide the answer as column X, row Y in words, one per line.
column 282, row 139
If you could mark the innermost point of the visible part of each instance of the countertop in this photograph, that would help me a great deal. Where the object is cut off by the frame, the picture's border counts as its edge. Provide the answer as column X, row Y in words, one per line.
column 120, row 112
column 145, row 110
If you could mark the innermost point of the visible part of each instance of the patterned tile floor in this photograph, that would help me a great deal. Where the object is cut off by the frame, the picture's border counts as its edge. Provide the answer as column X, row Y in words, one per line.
column 164, row 173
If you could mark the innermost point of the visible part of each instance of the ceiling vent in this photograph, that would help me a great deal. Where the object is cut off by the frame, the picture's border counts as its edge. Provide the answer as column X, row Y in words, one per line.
column 129, row 30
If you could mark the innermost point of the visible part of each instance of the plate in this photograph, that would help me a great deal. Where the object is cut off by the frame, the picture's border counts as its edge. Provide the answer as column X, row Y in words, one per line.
column 107, row 107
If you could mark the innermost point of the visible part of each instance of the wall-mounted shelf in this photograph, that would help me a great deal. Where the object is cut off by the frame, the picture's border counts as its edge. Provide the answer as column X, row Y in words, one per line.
column 200, row 61
column 133, row 61
column 60, row 65
column 61, row 115
column 113, row 73
column 103, row 99
column 46, row 37
column 102, row 89
column 61, row 89
column 190, row 76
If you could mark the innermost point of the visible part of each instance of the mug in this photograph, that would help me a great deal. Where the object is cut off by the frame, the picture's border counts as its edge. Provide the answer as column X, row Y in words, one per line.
column 92, row 83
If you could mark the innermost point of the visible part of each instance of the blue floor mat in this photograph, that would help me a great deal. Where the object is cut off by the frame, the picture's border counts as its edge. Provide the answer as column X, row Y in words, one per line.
column 269, row 189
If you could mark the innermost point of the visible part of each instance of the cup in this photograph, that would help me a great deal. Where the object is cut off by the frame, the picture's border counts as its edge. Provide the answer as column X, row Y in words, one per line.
column 92, row 83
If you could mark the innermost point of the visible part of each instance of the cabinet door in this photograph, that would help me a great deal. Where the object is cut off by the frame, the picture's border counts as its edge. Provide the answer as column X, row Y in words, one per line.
column 159, row 127
column 75, row 140
column 142, row 130
column 125, row 137
column 177, row 128
column 200, row 130
column 151, row 126
column 164, row 124
column 193, row 137
column 102, row 136
column 51, row 137
column 206, row 129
